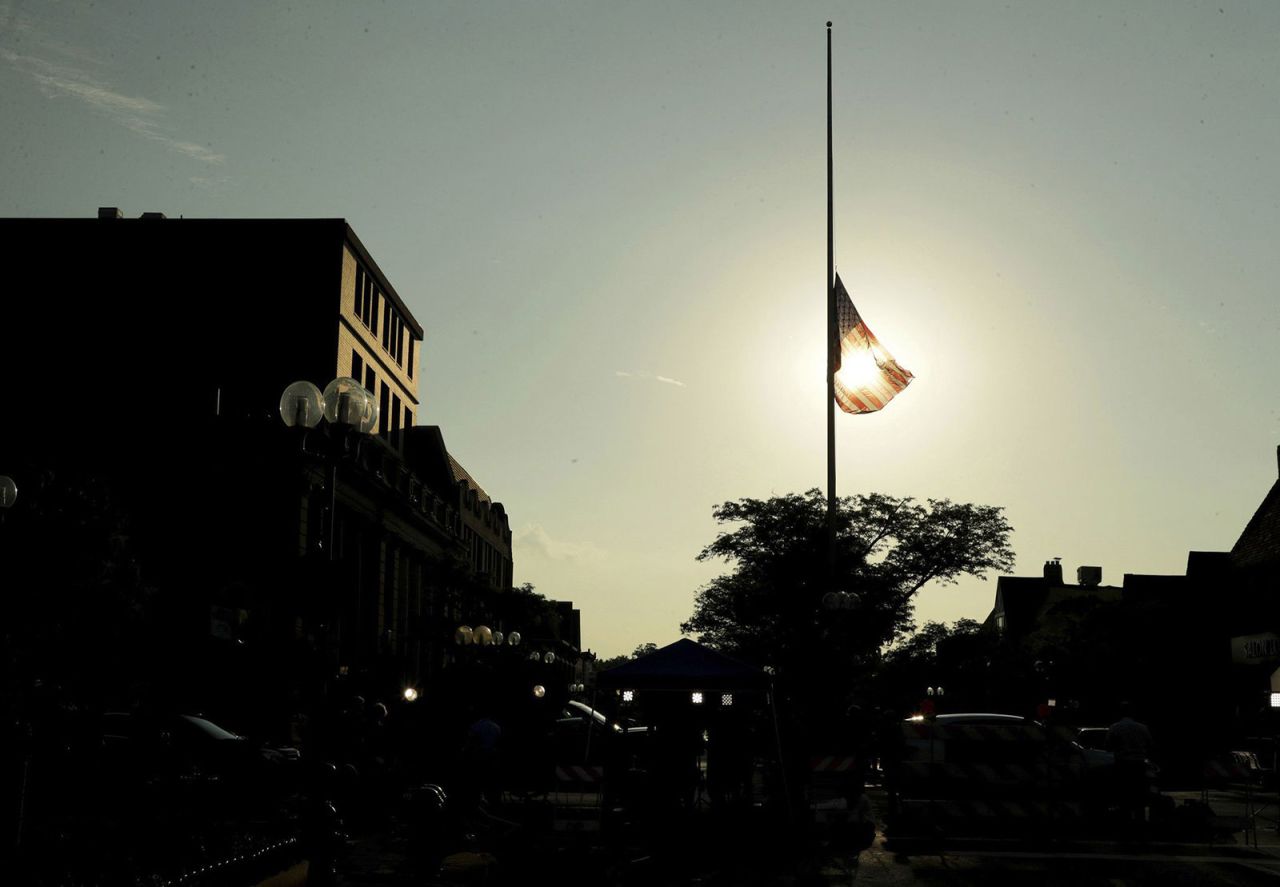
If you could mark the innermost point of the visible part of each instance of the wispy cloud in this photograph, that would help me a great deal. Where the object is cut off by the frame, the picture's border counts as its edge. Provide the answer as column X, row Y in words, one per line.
column 532, row 540
column 666, row 380
column 208, row 181
column 138, row 114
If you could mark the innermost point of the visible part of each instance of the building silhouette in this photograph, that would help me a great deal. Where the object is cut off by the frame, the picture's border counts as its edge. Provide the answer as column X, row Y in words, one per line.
column 271, row 565
column 1200, row 651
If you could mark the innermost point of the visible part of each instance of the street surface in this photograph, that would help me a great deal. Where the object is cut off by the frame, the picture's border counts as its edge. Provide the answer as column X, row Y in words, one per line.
column 1113, row 867
column 574, row 857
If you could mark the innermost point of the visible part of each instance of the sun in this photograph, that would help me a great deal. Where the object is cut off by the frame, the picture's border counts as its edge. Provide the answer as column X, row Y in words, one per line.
column 858, row 370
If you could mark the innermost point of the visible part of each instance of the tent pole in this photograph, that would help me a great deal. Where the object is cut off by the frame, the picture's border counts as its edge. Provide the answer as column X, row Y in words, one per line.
column 782, row 764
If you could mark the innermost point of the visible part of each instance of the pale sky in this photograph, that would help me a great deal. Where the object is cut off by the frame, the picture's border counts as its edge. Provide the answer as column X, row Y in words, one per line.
column 610, row 219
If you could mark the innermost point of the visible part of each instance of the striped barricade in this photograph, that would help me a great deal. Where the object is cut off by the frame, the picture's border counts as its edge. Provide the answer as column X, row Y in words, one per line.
column 960, row 816
column 576, row 802
column 832, row 764
column 969, row 778
column 831, row 776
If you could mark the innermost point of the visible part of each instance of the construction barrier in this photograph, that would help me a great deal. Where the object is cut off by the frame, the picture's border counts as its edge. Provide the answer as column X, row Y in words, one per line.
column 992, row 811
column 832, row 763
column 576, row 801
column 1001, row 775
column 830, row 778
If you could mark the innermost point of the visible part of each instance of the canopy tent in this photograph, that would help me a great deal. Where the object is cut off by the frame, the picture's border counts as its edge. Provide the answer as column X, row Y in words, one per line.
column 688, row 667
column 684, row 665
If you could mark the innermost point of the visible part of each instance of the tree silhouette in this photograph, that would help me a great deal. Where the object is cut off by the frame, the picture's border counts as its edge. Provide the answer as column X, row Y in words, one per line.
column 769, row 608
column 641, row 650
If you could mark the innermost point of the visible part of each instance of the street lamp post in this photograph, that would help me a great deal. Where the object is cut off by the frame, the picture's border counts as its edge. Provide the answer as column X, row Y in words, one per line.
column 9, row 495
column 344, row 404
column 473, row 669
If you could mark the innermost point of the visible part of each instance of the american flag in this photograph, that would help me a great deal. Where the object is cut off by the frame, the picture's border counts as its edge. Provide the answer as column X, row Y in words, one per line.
column 867, row 376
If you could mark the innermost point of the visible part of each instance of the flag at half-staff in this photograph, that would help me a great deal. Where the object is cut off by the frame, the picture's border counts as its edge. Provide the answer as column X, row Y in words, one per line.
column 866, row 375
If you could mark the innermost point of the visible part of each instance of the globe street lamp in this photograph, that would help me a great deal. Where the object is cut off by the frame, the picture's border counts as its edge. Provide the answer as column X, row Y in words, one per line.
column 8, row 491
column 484, row 636
column 344, row 404
column 8, row 494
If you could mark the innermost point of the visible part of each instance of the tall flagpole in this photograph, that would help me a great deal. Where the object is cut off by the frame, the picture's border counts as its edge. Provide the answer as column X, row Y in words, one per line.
column 832, row 336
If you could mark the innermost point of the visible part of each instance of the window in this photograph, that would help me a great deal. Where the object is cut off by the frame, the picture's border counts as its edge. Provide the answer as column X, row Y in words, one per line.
column 408, row 418
column 412, row 343
column 373, row 309
column 395, row 412
column 388, row 324
column 384, row 421
column 365, row 297
column 357, row 366
column 370, row 380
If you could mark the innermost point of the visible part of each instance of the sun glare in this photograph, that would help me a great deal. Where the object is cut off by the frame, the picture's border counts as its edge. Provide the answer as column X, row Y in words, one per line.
column 858, row 371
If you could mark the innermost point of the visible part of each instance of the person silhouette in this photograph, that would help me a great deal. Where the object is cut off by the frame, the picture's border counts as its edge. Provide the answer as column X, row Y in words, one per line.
column 1130, row 741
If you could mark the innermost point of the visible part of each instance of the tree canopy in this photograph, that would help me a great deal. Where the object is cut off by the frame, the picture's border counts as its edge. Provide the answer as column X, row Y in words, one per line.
column 768, row 609
column 613, row 661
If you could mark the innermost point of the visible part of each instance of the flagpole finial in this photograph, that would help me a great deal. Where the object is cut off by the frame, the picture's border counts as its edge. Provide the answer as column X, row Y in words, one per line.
column 828, row 26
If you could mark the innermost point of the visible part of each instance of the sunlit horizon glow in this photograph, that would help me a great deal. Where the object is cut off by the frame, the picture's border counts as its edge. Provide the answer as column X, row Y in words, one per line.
column 610, row 219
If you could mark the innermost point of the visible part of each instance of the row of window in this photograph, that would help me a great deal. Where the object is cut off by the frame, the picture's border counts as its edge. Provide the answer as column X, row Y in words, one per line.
column 395, row 330
column 485, row 559
column 390, row 410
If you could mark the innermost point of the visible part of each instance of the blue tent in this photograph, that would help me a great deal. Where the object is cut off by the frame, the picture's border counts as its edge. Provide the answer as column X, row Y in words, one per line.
column 684, row 665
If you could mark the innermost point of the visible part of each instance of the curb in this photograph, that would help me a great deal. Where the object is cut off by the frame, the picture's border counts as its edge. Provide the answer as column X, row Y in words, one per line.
column 963, row 846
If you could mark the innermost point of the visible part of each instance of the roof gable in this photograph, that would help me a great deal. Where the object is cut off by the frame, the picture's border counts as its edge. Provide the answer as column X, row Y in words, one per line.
column 1259, row 544
column 684, row 665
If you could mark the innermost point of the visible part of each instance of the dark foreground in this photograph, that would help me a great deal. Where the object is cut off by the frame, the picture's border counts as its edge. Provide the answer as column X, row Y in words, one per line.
column 694, row 851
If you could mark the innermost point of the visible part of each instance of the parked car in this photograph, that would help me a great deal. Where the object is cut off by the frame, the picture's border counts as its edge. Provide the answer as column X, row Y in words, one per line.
column 584, row 735
column 192, row 749
column 579, row 726
column 1092, row 737
column 1094, row 742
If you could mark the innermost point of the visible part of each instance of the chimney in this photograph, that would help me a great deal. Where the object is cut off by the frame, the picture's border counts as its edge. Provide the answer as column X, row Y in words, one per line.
column 1090, row 577
column 1053, row 571
column 110, row 212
